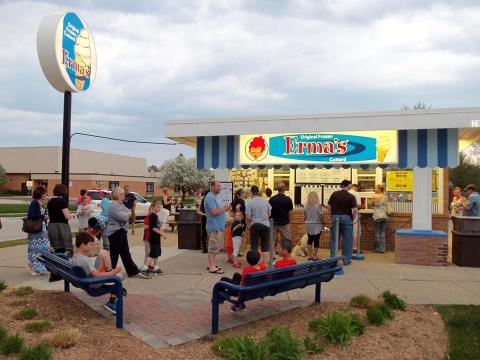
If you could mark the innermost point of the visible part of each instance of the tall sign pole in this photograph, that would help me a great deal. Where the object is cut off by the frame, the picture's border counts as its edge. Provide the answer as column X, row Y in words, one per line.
column 67, row 55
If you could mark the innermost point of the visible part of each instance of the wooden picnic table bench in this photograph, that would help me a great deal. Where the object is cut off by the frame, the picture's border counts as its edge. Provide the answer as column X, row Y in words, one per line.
column 257, row 285
column 71, row 273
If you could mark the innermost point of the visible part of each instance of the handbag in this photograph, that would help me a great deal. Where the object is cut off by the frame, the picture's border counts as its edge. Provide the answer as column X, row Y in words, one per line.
column 32, row 226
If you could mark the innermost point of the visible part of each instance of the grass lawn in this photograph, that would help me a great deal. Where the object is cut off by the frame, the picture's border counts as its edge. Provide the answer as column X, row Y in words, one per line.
column 22, row 208
column 463, row 326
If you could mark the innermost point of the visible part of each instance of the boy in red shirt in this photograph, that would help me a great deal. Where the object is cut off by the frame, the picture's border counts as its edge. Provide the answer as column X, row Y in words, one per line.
column 284, row 249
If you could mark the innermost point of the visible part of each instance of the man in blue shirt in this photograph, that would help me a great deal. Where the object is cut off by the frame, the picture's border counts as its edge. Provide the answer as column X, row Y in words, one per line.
column 215, row 225
column 472, row 204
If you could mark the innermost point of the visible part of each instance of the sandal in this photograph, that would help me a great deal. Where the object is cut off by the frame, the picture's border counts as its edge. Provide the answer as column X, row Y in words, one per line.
column 217, row 267
column 217, row 271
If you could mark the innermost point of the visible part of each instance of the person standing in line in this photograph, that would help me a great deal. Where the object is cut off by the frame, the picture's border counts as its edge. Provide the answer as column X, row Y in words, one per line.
column 268, row 193
column 130, row 203
column 203, row 217
column 314, row 221
column 343, row 208
column 59, row 233
column 215, row 225
column 84, row 211
column 380, row 217
column 37, row 241
column 166, row 201
column 83, row 194
column 282, row 212
column 472, row 203
column 238, row 204
column 356, row 233
column 456, row 206
column 117, row 231
column 156, row 234
column 238, row 228
column 258, row 212
column 104, row 206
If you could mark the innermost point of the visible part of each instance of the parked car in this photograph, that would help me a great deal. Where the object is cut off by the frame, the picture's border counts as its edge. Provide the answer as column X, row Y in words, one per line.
column 141, row 210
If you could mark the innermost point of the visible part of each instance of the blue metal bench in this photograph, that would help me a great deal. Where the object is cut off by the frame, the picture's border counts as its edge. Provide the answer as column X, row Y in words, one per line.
column 75, row 275
column 272, row 282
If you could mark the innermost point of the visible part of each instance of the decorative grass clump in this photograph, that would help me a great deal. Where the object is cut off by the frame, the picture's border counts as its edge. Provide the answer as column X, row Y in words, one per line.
column 375, row 316
column 394, row 301
column 19, row 302
column 40, row 351
column 360, row 301
column 64, row 339
column 282, row 345
column 387, row 311
column 3, row 333
column 337, row 328
column 311, row 346
column 27, row 313
column 11, row 344
column 3, row 286
column 240, row 348
column 22, row 291
column 38, row 326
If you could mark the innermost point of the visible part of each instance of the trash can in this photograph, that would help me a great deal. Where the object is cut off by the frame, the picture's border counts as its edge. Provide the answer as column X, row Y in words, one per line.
column 466, row 241
column 189, row 229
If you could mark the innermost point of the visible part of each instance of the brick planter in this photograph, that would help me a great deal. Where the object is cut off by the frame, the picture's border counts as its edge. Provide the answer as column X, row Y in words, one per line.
column 421, row 247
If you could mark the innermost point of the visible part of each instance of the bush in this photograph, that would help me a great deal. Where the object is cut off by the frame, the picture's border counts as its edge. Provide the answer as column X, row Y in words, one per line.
column 3, row 333
column 3, row 286
column 338, row 328
column 11, row 344
column 282, row 345
column 240, row 348
column 27, row 313
column 375, row 316
column 40, row 351
column 360, row 301
column 386, row 310
column 22, row 290
column 394, row 301
column 38, row 326
column 64, row 339
column 310, row 346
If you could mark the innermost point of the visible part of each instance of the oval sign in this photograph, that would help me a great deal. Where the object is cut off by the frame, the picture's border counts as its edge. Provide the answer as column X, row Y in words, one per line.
column 66, row 52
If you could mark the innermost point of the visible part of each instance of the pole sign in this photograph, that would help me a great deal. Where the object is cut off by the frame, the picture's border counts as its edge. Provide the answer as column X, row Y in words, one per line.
column 361, row 147
column 66, row 52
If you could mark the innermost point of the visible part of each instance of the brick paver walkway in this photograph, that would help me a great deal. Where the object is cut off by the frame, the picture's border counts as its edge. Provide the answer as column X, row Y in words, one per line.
column 184, row 315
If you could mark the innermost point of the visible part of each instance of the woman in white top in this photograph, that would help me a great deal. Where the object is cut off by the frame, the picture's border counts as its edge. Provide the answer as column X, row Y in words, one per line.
column 83, row 213
column 380, row 217
column 313, row 215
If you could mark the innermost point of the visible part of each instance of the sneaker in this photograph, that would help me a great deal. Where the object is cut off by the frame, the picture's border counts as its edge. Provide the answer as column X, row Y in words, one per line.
column 110, row 307
column 144, row 275
column 157, row 271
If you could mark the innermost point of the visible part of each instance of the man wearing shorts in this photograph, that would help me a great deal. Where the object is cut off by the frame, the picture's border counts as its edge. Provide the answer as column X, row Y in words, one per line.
column 215, row 226
column 258, row 212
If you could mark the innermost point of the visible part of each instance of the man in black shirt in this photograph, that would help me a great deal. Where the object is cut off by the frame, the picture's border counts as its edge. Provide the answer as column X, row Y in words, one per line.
column 130, row 203
column 282, row 210
column 343, row 208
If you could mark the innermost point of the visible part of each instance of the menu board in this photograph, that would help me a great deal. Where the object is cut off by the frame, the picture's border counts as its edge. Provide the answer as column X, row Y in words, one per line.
column 322, row 176
column 226, row 193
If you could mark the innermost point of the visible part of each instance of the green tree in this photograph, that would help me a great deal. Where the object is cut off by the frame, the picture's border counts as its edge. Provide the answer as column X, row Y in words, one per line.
column 3, row 175
column 466, row 173
column 181, row 174
column 418, row 106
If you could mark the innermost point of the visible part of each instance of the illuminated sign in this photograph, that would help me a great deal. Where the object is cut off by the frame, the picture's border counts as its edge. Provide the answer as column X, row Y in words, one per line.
column 66, row 52
column 365, row 147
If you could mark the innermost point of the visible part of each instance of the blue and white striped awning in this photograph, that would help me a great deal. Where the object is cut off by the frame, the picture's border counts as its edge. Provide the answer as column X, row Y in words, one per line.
column 416, row 148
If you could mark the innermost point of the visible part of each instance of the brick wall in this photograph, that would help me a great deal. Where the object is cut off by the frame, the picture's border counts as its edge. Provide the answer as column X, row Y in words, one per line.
column 14, row 182
column 421, row 250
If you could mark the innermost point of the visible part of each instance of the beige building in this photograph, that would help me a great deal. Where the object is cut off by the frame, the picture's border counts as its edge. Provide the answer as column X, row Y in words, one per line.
column 88, row 170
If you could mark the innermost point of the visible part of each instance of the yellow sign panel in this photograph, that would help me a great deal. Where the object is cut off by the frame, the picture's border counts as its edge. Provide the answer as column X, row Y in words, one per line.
column 400, row 180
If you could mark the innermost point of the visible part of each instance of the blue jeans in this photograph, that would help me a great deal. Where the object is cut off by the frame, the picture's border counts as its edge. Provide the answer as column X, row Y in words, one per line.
column 379, row 226
column 346, row 233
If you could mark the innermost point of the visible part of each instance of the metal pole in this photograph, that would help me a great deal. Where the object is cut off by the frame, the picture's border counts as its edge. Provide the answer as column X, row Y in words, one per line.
column 358, row 255
column 67, row 122
column 270, row 246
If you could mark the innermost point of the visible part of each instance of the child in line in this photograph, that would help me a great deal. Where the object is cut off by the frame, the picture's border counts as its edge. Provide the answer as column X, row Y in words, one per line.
column 253, row 259
column 238, row 229
column 146, row 232
column 84, row 243
column 83, row 213
column 156, row 233
column 284, row 249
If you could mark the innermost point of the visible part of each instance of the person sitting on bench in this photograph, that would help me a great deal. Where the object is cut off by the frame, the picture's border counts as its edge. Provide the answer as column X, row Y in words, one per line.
column 103, row 264
column 284, row 249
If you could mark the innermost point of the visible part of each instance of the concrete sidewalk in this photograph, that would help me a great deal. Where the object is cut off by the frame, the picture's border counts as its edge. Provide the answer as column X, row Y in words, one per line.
column 175, row 307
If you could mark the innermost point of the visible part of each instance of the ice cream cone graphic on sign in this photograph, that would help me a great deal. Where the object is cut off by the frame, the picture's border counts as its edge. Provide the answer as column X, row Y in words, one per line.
column 383, row 146
column 82, row 59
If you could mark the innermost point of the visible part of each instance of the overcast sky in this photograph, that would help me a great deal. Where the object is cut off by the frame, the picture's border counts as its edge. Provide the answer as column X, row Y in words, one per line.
column 162, row 60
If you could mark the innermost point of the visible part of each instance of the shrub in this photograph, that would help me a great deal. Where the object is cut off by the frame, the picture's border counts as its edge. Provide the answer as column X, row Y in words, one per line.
column 282, row 345
column 27, row 313
column 3, row 286
column 22, row 290
column 394, row 301
column 375, row 316
column 20, row 302
column 360, row 301
column 338, row 328
column 310, row 346
column 3, row 333
column 386, row 310
column 64, row 339
column 40, row 351
column 240, row 348
column 11, row 344
column 38, row 326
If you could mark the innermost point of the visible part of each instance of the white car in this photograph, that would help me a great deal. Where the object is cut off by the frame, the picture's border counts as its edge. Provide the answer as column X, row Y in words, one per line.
column 141, row 210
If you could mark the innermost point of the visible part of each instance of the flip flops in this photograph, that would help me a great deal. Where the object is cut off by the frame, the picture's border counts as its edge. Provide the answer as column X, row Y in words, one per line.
column 217, row 271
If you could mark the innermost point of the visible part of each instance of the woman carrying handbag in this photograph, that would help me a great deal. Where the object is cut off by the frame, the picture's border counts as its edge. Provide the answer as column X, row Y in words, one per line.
column 37, row 240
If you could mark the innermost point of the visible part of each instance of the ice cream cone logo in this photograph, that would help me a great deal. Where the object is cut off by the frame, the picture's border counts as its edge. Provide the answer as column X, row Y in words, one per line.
column 383, row 146
column 82, row 59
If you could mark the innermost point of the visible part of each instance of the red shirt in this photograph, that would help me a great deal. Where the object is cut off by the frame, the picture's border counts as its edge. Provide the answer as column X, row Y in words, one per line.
column 80, row 198
column 146, row 229
column 252, row 269
column 285, row 262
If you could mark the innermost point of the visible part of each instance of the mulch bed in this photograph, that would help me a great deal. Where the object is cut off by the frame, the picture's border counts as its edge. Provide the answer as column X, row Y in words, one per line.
column 417, row 333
